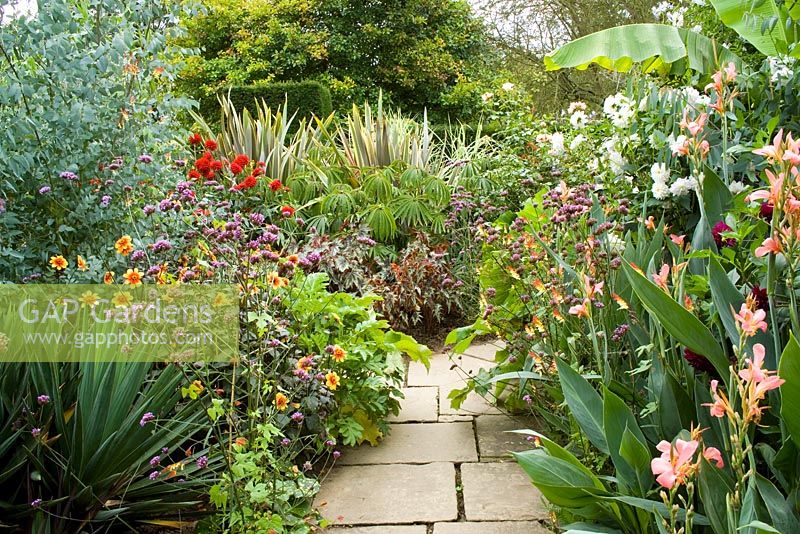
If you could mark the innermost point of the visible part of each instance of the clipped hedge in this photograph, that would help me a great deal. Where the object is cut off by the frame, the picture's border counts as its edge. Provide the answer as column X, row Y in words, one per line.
column 304, row 98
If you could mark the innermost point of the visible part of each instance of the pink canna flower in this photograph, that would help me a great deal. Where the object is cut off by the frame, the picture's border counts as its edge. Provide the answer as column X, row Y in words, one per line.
column 754, row 371
column 591, row 289
column 769, row 246
column 716, row 85
column 694, row 126
column 662, row 277
column 730, row 72
column 675, row 464
column 704, row 147
column 768, row 384
column 581, row 310
column 677, row 239
column 712, row 454
column 773, row 194
column 720, row 405
column 774, row 151
column 749, row 321
column 792, row 152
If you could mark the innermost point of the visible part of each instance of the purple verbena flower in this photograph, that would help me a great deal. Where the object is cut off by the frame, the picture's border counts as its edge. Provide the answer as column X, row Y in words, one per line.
column 146, row 418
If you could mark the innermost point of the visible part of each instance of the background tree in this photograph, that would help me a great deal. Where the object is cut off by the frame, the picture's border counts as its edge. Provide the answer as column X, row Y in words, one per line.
column 526, row 30
column 412, row 51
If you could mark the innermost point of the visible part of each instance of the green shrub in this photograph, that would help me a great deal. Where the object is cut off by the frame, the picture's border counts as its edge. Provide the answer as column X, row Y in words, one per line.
column 304, row 98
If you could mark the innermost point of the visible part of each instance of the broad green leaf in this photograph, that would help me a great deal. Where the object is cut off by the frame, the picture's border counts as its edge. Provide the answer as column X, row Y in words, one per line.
column 516, row 375
column 780, row 511
column 678, row 321
column 408, row 345
column 557, row 451
column 760, row 527
column 726, row 298
column 655, row 46
column 714, row 485
column 658, row 508
column 588, row 528
column 746, row 18
column 618, row 420
column 636, row 454
column 789, row 370
column 561, row 482
column 585, row 404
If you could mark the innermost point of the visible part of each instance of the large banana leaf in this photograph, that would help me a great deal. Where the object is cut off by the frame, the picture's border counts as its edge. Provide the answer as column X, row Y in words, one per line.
column 765, row 24
column 656, row 46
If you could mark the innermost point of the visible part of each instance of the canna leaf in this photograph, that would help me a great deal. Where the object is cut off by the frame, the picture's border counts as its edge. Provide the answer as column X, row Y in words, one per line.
column 585, row 404
column 678, row 321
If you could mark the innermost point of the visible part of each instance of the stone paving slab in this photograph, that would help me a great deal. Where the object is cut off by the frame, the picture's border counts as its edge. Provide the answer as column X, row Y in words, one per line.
column 487, row 527
column 418, row 443
column 500, row 491
column 455, row 418
column 441, row 374
column 380, row 529
column 389, row 494
column 420, row 404
column 485, row 351
column 494, row 440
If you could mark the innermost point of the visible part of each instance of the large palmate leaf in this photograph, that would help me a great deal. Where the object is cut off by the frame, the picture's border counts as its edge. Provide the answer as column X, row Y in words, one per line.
column 765, row 24
column 656, row 46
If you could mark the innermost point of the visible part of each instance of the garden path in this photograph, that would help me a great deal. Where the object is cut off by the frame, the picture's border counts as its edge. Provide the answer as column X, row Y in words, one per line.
column 440, row 470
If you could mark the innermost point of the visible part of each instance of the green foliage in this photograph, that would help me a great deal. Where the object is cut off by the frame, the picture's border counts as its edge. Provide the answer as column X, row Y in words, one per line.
column 419, row 290
column 770, row 26
column 621, row 47
column 301, row 100
column 85, row 91
column 86, row 450
column 280, row 139
column 370, row 374
column 412, row 51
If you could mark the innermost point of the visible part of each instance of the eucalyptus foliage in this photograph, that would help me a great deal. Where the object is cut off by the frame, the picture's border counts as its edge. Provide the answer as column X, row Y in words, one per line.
column 84, row 89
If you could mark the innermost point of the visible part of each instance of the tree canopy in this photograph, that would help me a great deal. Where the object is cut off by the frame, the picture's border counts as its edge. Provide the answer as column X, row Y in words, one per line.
column 413, row 51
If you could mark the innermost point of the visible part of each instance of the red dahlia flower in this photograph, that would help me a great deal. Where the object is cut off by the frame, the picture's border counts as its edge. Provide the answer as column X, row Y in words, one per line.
column 247, row 183
column 275, row 185
column 211, row 144
column 287, row 211
column 195, row 139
